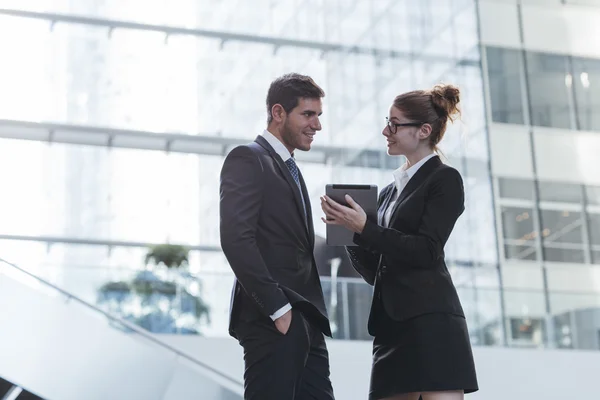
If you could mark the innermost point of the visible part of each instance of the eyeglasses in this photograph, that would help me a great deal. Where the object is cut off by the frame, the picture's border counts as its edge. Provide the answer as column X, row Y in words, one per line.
column 394, row 127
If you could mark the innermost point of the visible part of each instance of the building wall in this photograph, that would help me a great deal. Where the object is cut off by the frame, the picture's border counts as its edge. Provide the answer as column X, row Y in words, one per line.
column 529, row 122
column 541, row 64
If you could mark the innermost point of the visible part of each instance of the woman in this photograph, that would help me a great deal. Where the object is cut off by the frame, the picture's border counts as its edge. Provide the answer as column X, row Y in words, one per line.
column 421, row 345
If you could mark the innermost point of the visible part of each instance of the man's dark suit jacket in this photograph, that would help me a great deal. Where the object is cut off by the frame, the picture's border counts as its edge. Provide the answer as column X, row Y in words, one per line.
column 267, row 239
column 405, row 262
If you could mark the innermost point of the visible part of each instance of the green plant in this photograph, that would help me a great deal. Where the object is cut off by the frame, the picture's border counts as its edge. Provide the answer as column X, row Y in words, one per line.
column 184, row 312
column 170, row 255
column 116, row 287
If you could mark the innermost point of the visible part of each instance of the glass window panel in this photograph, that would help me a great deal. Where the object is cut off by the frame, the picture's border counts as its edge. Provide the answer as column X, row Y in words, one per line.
column 517, row 223
column 504, row 70
column 596, row 256
column 519, row 236
column 474, row 237
column 594, row 228
column 520, row 252
column 524, row 310
column 516, row 188
column 563, row 255
column 561, row 226
column 483, row 310
column 143, row 80
column 592, row 194
column 586, row 2
column 527, row 332
column 560, row 192
column 586, row 79
column 549, row 90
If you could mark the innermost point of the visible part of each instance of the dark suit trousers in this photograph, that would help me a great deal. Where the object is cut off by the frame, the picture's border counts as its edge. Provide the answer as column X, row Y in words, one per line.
column 294, row 366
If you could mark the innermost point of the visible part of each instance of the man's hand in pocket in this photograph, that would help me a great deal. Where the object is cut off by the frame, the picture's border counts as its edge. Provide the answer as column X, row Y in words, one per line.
column 283, row 323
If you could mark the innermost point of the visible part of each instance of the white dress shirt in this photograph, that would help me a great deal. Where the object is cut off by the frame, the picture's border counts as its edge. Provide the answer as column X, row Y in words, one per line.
column 401, row 177
column 277, row 145
column 285, row 155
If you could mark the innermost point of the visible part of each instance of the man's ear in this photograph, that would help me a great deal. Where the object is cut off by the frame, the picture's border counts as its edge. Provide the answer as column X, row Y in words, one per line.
column 278, row 112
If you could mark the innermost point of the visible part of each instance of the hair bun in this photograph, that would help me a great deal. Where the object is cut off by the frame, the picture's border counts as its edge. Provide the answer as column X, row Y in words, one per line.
column 445, row 98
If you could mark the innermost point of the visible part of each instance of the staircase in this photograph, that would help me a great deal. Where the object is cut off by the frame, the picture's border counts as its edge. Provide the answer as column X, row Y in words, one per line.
column 60, row 347
column 9, row 391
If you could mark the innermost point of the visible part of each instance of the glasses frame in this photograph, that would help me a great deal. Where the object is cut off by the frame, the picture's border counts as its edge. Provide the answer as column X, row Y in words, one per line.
column 393, row 127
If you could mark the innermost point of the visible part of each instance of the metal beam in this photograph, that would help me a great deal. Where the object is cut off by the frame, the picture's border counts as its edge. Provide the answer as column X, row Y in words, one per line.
column 96, row 242
column 114, row 243
column 222, row 36
column 205, row 144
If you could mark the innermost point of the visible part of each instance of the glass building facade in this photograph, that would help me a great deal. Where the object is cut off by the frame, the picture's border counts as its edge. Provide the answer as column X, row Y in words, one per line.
column 116, row 117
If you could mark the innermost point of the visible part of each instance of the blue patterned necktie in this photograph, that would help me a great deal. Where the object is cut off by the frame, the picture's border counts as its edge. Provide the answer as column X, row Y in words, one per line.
column 291, row 164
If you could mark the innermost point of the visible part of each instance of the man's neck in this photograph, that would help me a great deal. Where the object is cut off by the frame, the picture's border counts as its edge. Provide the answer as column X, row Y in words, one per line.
column 277, row 133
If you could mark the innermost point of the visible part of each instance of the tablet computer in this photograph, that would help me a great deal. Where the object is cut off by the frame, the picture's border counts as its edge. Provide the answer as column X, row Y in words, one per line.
column 364, row 195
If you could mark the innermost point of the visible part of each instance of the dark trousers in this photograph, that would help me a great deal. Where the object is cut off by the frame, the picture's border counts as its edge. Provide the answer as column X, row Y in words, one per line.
column 294, row 366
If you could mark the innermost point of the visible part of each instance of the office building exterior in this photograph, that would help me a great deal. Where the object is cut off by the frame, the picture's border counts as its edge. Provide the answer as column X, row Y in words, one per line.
column 116, row 117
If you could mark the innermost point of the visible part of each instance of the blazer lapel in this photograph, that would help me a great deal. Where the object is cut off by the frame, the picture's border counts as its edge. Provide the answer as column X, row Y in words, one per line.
column 387, row 198
column 288, row 177
column 414, row 182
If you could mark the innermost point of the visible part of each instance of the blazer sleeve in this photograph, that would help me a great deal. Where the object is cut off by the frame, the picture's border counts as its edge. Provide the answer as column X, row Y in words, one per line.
column 444, row 203
column 241, row 195
column 363, row 260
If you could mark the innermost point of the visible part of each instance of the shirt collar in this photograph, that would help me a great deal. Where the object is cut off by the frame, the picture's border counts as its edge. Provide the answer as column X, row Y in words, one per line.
column 410, row 172
column 277, row 145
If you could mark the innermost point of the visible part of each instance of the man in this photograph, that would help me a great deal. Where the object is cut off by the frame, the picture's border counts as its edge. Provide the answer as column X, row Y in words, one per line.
column 278, row 312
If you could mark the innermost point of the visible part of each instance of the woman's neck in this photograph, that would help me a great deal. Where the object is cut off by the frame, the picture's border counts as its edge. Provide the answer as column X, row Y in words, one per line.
column 412, row 159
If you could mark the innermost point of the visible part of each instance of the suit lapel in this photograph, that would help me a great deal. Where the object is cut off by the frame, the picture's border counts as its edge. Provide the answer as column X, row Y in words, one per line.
column 290, row 180
column 309, row 221
column 414, row 182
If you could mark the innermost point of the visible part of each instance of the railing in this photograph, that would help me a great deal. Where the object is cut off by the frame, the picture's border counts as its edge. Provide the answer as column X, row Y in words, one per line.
column 211, row 378
column 179, row 302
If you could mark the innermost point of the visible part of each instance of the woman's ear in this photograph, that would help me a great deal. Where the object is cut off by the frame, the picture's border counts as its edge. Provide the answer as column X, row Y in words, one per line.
column 424, row 131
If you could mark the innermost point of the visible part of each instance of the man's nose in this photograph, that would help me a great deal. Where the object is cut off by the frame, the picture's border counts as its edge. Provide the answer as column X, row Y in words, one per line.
column 317, row 125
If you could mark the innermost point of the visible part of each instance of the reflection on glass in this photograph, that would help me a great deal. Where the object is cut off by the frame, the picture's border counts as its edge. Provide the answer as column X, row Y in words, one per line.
column 504, row 70
column 594, row 228
column 483, row 313
column 561, row 226
column 586, row 79
column 527, row 332
column 519, row 234
column 512, row 188
column 560, row 192
column 564, row 255
column 594, row 231
column 550, row 85
column 592, row 195
column 525, row 313
column 516, row 252
column 562, row 234
column 576, row 320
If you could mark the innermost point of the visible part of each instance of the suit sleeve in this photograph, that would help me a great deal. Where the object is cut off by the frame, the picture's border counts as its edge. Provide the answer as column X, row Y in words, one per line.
column 444, row 203
column 241, row 195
